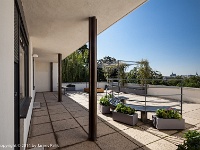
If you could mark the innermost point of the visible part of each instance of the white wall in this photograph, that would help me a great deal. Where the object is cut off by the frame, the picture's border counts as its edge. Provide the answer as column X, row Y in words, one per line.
column 42, row 76
column 55, row 76
column 27, row 120
column 189, row 94
column 79, row 86
column 131, row 85
column 7, row 72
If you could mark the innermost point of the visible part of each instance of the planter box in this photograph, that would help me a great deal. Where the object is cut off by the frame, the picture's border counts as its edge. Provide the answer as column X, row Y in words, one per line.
column 161, row 123
column 104, row 109
column 125, row 118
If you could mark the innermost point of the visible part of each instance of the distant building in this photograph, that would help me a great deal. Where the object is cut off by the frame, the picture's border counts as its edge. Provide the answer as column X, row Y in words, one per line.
column 191, row 75
column 173, row 75
column 166, row 77
column 184, row 76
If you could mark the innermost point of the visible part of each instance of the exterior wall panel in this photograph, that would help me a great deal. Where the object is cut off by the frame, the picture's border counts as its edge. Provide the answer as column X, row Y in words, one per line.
column 7, row 72
column 42, row 76
column 55, row 76
column 26, row 121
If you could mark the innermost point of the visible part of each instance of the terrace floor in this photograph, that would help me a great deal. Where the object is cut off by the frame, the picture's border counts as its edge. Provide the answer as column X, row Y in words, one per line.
column 64, row 125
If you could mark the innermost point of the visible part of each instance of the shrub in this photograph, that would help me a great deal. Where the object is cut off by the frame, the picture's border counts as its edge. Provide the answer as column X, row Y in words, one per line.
column 125, row 109
column 192, row 141
column 168, row 114
column 104, row 101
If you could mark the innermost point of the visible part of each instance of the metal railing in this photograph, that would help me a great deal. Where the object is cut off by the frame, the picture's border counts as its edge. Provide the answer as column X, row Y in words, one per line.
column 146, row 85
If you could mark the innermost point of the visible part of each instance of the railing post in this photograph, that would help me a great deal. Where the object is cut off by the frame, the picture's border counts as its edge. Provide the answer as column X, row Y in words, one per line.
column 181, row 99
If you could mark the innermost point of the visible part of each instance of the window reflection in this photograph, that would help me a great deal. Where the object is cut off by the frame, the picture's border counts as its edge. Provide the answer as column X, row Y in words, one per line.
column 22, row 74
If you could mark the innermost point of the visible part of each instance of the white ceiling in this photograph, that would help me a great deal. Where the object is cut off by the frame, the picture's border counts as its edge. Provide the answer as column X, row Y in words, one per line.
column 61, row 26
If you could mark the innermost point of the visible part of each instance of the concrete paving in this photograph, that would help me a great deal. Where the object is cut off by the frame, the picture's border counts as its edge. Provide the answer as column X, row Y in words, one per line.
column 64, row 125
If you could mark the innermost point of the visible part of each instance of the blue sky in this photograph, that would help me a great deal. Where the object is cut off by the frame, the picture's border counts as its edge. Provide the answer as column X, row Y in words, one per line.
column 165, row 32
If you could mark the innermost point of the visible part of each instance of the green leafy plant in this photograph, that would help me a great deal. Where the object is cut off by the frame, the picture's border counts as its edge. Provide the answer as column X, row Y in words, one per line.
column 104, row 101
column 192, row 141
column 168, row 114
column 125, row 109
column 109, row 96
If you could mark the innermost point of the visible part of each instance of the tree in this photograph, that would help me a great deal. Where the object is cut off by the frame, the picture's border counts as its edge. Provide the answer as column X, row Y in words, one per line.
column 106, row 60
column 157, row 77
column 100, row 75
column 75, row 66
column 193, row 81
column 144, row 71
column 132, row 75
column 108, row 65
column 121, row 72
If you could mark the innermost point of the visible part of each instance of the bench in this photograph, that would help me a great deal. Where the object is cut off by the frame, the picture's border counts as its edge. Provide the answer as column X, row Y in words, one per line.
column 65, row 89
column 146, row 109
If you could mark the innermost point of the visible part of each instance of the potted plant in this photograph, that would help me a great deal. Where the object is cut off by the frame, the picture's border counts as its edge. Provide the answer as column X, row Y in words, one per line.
column 192, row 141
column 125, row 114
column 168, row 119
column 104, row 105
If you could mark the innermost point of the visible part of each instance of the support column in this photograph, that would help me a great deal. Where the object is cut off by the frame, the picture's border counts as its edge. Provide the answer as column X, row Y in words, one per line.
column 59, row 77
column 33, row 73
column 93, row 79
column 51, row 76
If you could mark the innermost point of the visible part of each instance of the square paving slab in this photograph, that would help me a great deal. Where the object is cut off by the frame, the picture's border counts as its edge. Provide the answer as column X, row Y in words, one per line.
column 87, row 145
column 62, row 116
column 39, row 120
column 71, row 136
column 115, row 141
column 40, row 113
column 40, row 129
column 102, row 129
column 65, row 124
column 47, row 139
column 160, row 145
column 139, row 136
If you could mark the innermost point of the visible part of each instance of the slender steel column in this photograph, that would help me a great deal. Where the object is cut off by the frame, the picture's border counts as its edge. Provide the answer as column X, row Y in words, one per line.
column 51, row 76
column 93, row 79
column 59, row 77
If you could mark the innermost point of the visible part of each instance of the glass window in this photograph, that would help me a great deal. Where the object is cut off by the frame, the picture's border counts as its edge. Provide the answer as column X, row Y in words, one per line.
column 22, row 73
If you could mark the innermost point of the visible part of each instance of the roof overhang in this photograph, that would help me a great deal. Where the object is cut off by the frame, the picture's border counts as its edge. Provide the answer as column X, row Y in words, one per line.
column 61, row 26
